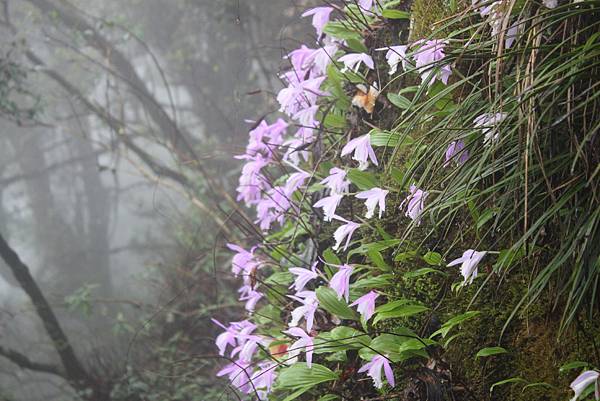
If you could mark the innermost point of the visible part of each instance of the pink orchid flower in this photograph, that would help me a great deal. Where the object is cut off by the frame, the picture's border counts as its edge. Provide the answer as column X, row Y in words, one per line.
column 329, row 204
column 250, row 296
column 228, row 337
column 429, row 55
column 374, row 368
column 363, row 151
column 340, row 282
column 352, row 61
column 394, row 56
column 456, row 148
column 306, row 116
column 373, row 197
column 469, row 261
column 489, row 122
column 344, row 232
column 295, row 181
column 238, row 373
column 415, row 203
column 366, row 305
column 249, row 348
column 336, row 181
column 366, row 5
column 305, row 342
column 322, row 57
column 584, row 380
column 252, row 182
column 300, row 59
column 303, row 276
column 320, row 17
column 263, row 379
column 243, row 260
column 237, row 332
column 307, row 311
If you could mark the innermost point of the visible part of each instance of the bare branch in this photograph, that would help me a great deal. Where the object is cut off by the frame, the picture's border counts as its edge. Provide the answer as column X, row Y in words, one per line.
column 74, row 370
column 24, row 362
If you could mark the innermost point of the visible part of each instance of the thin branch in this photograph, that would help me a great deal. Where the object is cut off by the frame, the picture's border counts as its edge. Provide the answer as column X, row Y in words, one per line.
column 24, row 362
column 74, row 370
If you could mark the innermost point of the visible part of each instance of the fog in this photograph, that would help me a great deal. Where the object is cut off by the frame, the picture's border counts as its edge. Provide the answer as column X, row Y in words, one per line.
column 119, row 120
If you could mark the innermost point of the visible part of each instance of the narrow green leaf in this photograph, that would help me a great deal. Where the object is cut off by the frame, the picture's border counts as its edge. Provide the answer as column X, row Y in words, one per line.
column 423, row 271
column 538, row 384
column 402, row 311
column 297, row 393
column 395, row 14
column 380, row 281
column 392, row 139
column 573, row 365
column 329, row 397
column 377, row 259
column 335, row 121
column 405, row 256
column 485, row 217
column 392, row 305
column 489, row 351
column 507, row 381
column 399, row 101
column 456, row 320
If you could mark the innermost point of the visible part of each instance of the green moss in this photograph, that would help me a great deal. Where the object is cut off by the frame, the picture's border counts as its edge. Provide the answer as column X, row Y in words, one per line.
column 428, row 17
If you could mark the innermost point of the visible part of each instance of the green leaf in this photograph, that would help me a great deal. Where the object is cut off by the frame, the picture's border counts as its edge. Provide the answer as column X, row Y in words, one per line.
column 377, row 259
column 402, row 311
column 350, row 336
column 332, row 259
column 341, row 31
column 374, row 246
column 362, row 179
column 456, row 320
column 538, row 384
column 329, row 397
column 279, row 278
column 386, row 138
column 380, row 281
column 395, row 14
column 433, row 258
column 388, row 344
column 489, row 351
column 390, row 306
column 328, row 300
column 297, row 393
column 405, row 256
column 414, row 347
column 335, row 121
column 485, row 217
column 300, row 376
column 507, row 381
column 423, row 271
column 573, row 365
column 397, row 175
column 357, row 45
column 399, row 101
column 508, row 257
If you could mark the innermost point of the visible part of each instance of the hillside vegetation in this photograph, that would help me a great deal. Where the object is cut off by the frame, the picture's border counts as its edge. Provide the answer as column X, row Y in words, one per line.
column 427, row 211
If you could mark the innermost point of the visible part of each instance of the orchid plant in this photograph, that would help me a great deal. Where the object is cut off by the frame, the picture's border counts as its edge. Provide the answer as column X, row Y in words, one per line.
column 315, row 262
